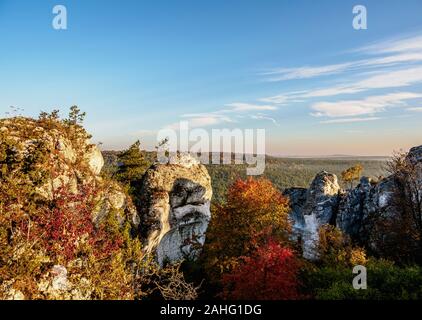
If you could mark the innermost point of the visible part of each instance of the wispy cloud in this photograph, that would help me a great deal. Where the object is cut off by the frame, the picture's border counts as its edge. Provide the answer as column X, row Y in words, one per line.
column 226, row 115
column 404, row 44
column 384, row 65
column 382, row 80
column 241, row 107
column 379, row 80
column 350, row 120
column 197, row 120
column 369, row 105
column 282, row 74
column 264, row 117
column 284, row 98
column 217, row 115
column 401, row 51
column 416, row 109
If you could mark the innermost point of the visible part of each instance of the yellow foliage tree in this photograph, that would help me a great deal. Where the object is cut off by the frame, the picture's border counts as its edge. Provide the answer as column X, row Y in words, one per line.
column 334, row 248
column 254, row 210
column 352, row 174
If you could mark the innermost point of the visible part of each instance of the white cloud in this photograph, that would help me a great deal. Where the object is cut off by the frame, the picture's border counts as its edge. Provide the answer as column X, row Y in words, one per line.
column 380, row 80
column 401, row 51
column 282, row 74
column 197, row 120
column 219, row 116
column 416, row 109
column 389, row 79
column 412, row 43
column 369, row 73
column 216, row 115
column 393, row 79
column 369, row 105
column 285, row 98
column 333, row 91
column 265, row 117
column 350, row 120
column 241, row 107
column 394, row 59
column 204, row 121
column 278, row 99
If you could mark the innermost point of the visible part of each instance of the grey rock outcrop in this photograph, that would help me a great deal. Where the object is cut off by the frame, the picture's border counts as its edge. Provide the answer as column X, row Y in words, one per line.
column 175, row 209
column 68, row 160
column 55, row 285
column 297, row 198
column 415, row 159
column 356, row 212
column 362, row 206
column 355, row 207
column 312, row 208
column 415, row 155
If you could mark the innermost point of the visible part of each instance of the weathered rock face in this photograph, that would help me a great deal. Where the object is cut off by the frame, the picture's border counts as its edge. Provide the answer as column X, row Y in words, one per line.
column 415, row 159
column 355, row 207
column 312, row 208
column 297, row 198
column 355, row 212
column 359, row 206
column 55, row 285
column 66, row 159
column 49, row 162
column 175, row 209
column 415, row 155
column 321, row 197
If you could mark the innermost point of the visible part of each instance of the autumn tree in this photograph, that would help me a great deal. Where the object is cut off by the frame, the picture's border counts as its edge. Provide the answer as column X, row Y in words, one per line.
column 336, row 249
column 254, row 209
column 404, row 230
column 270, row 273
column 352, row 174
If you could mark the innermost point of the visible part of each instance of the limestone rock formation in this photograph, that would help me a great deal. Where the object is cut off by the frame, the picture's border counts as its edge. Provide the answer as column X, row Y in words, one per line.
column 50, row 186
column 360, row 206
column 297, row 197
column 355, row 206
column 55, row 285
column 175, row 208
column 312, row 208
column 415, row 155
column 356, row 212
column 62, row 157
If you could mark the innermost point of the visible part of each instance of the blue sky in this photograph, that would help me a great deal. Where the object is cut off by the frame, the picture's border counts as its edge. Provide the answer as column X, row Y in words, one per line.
column 297, row 69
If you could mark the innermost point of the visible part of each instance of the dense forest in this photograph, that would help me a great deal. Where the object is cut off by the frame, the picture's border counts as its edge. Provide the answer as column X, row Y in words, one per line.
column 282, row 172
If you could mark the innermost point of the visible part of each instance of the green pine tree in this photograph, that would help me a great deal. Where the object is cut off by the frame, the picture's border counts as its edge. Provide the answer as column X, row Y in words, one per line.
column 131, row 167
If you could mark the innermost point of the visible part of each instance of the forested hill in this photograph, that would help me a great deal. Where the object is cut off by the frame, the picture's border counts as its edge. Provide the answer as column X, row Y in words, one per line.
column 283, row 172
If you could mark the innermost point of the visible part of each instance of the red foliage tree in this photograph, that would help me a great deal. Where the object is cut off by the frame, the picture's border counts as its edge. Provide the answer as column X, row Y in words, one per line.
column 270, row 274
column 67, row 222
column 254, row 211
